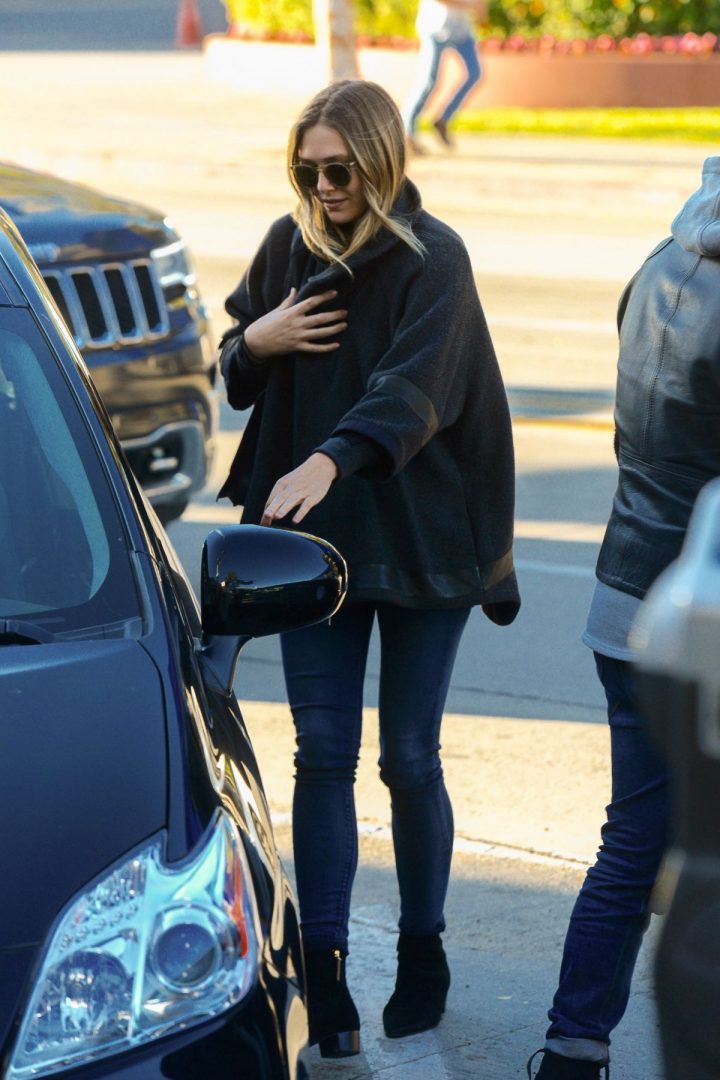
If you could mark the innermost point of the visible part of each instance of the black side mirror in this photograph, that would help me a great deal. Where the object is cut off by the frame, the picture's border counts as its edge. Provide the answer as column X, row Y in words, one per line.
column 257, row 581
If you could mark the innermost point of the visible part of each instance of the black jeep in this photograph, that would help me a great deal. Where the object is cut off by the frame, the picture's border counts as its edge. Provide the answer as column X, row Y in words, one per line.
column 122, row 279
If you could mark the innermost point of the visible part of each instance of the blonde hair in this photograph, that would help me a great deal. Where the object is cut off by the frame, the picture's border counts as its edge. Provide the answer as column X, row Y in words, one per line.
column 368, row 120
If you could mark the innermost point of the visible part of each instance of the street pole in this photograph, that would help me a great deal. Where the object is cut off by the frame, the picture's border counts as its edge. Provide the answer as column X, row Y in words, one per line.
column 335, row 38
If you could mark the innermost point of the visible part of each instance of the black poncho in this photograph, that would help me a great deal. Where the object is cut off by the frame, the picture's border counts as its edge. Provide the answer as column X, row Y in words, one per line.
column 411, row 407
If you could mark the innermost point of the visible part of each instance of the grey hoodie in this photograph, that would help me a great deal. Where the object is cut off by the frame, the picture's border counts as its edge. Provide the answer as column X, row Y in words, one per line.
column 697, row 226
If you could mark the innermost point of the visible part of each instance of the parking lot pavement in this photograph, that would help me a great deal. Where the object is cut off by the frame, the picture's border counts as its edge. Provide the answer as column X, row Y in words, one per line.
column 528, row 797
column 528, row 789
column 520, row 787
column 506, row 919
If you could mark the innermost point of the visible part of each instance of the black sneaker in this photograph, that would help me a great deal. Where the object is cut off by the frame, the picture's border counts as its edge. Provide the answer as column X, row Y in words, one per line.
column 556, row 1067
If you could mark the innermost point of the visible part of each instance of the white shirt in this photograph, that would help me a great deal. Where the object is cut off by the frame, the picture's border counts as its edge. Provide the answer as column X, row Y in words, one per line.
column 442, row 21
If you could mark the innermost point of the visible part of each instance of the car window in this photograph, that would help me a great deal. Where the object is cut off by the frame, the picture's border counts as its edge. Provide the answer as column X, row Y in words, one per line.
column 64, row 561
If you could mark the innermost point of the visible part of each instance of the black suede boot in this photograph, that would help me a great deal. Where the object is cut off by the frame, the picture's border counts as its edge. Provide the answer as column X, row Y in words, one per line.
column 556, row 1067
column 423, row 980
column 333, row 1018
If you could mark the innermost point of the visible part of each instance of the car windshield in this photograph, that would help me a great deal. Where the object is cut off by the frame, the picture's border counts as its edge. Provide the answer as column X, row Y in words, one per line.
column 64, row 564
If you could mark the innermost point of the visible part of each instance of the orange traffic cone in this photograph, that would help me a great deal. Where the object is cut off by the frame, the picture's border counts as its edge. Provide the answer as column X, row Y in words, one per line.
column 188, row 30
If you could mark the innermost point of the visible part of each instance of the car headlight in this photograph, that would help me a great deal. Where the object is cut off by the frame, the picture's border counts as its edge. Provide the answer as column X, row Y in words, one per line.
column 147, row 950
column 172, row 265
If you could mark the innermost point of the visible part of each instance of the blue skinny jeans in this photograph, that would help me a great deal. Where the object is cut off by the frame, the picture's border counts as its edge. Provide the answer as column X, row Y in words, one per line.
column 324, row 673
column 612, row 911
column 429, row 58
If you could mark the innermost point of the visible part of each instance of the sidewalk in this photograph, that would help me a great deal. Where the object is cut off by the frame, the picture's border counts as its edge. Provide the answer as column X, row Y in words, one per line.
column 519, row 788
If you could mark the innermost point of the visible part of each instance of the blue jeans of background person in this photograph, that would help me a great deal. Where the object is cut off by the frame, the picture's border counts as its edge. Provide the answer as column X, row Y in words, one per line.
column 429, row 57
column 612, row 910
column 324, row 672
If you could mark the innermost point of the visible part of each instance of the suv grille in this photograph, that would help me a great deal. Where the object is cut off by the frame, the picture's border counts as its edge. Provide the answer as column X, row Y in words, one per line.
column 114, row 303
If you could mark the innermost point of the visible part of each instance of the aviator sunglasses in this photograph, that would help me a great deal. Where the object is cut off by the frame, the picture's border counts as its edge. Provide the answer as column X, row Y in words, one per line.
column 337, row 172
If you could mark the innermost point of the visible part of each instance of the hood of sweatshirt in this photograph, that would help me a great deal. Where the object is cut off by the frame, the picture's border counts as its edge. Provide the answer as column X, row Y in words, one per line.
column 697, row 226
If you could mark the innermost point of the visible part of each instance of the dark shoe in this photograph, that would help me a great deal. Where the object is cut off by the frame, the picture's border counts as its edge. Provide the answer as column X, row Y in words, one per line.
column 442, row 131
column 423, row 980
column 333, row 1018
column 556, row 1067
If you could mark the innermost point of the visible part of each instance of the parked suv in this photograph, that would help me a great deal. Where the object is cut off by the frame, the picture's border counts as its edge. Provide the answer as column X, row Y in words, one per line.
column 122, row 279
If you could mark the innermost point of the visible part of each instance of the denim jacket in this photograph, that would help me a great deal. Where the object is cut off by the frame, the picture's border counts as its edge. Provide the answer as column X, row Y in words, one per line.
column 667, row 410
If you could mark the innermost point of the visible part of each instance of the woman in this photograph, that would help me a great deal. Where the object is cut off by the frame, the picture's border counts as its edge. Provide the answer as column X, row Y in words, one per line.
column 380, row 422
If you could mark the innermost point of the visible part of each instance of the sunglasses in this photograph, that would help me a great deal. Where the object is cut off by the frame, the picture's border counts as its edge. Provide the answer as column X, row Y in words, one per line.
column 337, row 172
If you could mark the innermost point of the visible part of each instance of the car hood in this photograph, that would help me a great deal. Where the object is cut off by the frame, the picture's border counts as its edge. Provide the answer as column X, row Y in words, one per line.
column 83, row 772
column 65, row 222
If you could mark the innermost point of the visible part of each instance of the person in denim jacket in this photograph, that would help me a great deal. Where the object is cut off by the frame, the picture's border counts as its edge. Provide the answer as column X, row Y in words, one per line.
column 439, row 27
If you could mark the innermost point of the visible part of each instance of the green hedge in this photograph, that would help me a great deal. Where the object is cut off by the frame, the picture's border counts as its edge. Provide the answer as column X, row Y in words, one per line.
column 564, row 18
column 374, row 18
column 618, row 18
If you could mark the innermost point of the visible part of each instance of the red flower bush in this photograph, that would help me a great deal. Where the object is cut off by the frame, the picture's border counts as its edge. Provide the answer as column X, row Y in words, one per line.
column 689, row 45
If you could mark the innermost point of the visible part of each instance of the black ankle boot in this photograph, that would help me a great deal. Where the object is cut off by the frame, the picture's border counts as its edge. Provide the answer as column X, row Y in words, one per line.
column 423, row 980
column 333, row 1018
column 556, row 1067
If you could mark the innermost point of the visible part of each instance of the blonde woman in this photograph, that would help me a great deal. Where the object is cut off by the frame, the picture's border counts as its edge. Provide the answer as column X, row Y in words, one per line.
column 380, row 422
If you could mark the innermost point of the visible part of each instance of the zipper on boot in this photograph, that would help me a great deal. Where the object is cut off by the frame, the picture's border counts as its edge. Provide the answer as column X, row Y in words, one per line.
column 334, row 1021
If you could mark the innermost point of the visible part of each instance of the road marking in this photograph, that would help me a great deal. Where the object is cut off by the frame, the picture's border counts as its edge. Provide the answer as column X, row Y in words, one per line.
column 461, row 844
column 561, row 569
column 202, row 514
column 577, row 532
column 572, row 326
column 581, row 532
column 558, row 531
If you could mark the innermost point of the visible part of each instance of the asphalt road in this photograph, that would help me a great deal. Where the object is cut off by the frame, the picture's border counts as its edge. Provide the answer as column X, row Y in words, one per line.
column 554, row 229
column 70, row 25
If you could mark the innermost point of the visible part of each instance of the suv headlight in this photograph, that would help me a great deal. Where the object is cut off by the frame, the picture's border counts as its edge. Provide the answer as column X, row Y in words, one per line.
column 147, row 950
column 172, row 265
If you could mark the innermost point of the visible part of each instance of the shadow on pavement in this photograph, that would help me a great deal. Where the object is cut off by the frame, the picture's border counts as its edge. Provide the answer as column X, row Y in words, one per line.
column 506, row 923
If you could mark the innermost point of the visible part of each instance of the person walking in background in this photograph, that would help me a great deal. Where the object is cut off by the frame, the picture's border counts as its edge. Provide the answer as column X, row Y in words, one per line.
column 379, row 422
column 667, row 418
column 442, row 26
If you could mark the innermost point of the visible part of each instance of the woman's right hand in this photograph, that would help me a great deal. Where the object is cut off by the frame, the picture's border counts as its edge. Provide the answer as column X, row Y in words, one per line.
column 292, row 327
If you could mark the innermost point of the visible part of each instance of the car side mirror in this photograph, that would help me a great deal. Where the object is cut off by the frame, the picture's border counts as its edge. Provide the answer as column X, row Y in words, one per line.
column 256, row 581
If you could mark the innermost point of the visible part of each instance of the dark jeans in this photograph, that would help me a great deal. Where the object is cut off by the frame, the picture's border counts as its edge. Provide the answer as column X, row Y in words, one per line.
column 429, row 57
column 612, row 910
column 324, row 672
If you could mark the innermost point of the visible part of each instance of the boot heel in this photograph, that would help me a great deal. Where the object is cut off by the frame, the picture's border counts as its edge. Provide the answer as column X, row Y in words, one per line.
column 341, row 1044
column 333, row 1018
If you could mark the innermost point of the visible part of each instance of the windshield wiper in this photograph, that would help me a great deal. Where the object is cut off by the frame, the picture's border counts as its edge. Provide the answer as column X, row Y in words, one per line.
column 21, row 632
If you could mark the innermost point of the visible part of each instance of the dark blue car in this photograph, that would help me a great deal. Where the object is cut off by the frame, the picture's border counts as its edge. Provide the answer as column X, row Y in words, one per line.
column 147, row 928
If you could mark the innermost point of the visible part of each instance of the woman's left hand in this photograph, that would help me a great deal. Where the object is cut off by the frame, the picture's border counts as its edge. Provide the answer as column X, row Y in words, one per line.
column 300, row 489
